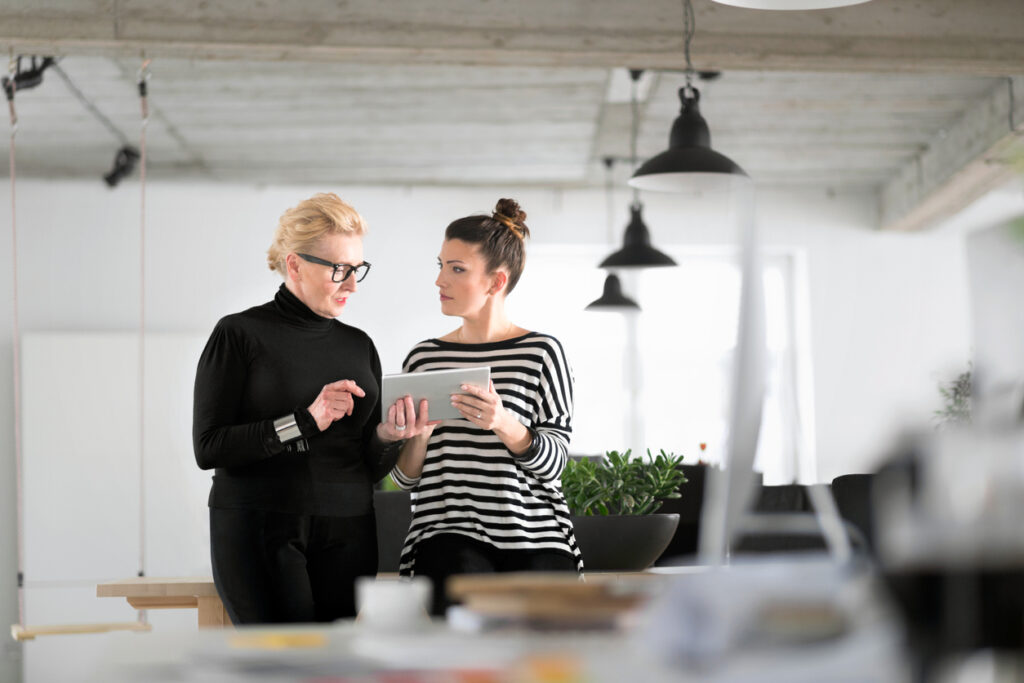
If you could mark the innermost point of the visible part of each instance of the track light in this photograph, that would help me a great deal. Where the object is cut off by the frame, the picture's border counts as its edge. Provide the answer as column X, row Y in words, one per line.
column 124, row 164
column 28, row 78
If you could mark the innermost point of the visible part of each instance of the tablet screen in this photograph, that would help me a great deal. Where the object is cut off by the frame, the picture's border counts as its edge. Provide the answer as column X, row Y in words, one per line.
column 436, row 386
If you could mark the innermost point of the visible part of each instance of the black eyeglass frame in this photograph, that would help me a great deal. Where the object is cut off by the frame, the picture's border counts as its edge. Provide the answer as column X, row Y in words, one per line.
column 338, row 267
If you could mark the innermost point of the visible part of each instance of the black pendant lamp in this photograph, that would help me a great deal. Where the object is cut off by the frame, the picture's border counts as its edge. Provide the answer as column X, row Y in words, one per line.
column 636, row 251
column 689, row 153
column 613, row 299
column 689, row 161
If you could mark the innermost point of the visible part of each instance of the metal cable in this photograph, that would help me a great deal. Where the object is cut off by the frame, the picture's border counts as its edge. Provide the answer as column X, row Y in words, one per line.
column 87, row 103
column 689, row 28
column 634, row 132
column 1011, row 113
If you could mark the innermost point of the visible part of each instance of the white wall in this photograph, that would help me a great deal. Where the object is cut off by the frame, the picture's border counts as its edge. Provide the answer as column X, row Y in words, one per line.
column 889, row 312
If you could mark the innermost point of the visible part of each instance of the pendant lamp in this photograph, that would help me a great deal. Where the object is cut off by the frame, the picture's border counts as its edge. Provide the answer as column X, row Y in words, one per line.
column 689, row 162
column 637, row 250
column 790, row 4
column 612, row 300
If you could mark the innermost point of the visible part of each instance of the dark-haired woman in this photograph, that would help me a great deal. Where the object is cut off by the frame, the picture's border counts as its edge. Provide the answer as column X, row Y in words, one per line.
column 486, row 490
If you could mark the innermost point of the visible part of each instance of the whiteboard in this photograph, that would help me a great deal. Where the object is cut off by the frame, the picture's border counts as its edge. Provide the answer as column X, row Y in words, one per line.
column 80, row 426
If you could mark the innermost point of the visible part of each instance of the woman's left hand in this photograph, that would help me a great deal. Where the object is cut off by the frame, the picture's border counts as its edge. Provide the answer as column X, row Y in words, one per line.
column 403, row 421
column 482, row 407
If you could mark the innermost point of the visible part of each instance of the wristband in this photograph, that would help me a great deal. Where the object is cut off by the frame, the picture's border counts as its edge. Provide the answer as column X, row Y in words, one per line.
column 534, row 442
column 287, row 429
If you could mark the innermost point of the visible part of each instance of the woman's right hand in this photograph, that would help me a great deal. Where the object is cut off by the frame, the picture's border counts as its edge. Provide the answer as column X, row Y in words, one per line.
column 334, row 402
column 404, row 422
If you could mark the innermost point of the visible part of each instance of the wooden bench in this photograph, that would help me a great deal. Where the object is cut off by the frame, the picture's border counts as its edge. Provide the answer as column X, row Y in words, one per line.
column 171, row 593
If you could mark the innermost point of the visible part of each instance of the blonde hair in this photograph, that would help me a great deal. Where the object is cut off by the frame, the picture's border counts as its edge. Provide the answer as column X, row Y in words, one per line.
column 302, row 226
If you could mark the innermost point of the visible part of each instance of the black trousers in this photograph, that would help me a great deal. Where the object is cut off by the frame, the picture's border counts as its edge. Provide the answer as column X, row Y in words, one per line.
column 445, row 555
column 271, row 567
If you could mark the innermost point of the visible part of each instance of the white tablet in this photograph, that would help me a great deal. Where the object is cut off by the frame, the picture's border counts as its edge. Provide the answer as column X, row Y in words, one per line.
column 436, row 386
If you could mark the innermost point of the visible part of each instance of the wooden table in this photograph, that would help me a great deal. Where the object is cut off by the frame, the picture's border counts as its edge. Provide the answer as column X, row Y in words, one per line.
column 171, row 593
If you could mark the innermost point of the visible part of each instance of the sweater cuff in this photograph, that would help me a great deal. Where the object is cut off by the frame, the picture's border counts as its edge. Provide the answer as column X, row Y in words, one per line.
column 306, row 426
column 306, row 423
column 531, row 450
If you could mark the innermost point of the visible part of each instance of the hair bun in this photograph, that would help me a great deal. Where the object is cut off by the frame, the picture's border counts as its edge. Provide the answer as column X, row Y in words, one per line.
column 510, row 209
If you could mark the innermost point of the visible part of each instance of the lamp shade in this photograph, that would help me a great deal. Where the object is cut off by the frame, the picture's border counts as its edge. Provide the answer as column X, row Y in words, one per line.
column 790, row 4
column 636, row 251
column 613, row 299
column 689, row 159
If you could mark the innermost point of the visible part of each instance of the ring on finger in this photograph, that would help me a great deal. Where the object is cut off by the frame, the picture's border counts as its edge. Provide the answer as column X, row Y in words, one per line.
column 479, row 415
column 399, row 428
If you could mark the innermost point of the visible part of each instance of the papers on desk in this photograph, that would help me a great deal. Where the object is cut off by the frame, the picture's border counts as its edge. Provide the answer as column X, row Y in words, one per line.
column 544, row 601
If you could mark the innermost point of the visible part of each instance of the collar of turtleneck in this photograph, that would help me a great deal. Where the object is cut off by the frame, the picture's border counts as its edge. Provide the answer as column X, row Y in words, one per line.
column 294, row 311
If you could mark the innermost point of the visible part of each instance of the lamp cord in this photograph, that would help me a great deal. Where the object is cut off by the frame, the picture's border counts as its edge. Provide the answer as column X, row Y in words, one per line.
column 634, row 132
column 609, row 203
column 1011, row 113
column 689, row 28
column 16, row 345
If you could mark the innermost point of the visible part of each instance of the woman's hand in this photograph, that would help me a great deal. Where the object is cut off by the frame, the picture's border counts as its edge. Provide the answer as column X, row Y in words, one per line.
column 403, row 421
column 482, row 407
column 334, row 402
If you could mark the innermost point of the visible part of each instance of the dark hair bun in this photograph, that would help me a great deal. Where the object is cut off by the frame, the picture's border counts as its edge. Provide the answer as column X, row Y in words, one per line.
column 510, row 209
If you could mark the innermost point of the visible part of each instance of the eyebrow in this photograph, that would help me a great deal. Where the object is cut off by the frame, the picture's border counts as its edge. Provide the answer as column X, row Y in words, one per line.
column 451, row 261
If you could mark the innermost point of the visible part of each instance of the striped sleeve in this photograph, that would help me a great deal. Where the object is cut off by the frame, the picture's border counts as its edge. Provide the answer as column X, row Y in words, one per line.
column 401, row 480
column 554, row 416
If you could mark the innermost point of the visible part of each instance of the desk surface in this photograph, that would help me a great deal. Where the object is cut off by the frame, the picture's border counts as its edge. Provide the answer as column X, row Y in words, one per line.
column 157, row 587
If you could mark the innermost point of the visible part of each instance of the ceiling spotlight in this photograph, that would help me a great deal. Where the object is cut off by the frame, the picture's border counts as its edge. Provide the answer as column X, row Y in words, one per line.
column 790, row 4
column 124, row 164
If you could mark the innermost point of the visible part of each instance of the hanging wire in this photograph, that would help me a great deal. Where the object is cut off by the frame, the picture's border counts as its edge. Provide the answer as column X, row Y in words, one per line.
column 609, row 202
column 10, row 87
column 689, row 28
column 1011, row 113
column 143, row 78
column 634, row 130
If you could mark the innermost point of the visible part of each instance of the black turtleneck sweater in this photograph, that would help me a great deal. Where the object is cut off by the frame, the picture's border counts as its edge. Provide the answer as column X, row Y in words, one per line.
column 269, row 362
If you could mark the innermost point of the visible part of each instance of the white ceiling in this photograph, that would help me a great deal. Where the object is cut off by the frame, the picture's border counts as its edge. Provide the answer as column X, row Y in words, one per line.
column 419, row 93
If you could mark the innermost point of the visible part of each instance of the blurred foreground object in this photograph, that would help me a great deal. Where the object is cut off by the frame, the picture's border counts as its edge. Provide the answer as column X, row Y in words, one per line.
column 951, row 545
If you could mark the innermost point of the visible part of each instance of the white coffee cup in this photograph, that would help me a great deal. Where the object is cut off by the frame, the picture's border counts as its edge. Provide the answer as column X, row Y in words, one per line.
column 393, row 604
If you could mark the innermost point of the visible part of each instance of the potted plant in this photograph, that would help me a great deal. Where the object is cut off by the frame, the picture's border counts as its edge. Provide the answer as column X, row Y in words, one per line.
column 614, row 501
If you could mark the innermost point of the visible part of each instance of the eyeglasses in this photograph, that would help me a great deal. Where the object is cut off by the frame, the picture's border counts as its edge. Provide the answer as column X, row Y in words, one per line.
column 342, row 271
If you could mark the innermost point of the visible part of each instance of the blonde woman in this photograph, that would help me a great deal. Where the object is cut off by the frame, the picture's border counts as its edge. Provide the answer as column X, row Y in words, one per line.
column 287, row 411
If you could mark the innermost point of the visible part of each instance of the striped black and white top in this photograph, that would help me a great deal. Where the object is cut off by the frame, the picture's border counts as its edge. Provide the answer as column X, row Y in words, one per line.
column 471, row 483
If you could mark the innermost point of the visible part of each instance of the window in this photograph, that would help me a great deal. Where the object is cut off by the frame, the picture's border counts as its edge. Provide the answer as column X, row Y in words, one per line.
column 661, row 379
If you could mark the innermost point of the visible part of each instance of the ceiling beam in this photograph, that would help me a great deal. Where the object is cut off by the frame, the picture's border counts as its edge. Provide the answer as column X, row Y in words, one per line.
column 971, row 157
column 937, row 36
